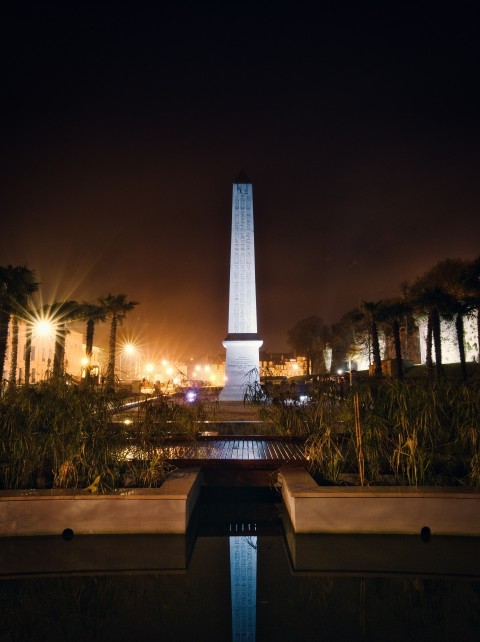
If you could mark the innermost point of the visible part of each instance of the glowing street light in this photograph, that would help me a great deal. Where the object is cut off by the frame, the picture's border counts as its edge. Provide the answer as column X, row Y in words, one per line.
column 149, row 368
column 129, row 351
column 44, row 328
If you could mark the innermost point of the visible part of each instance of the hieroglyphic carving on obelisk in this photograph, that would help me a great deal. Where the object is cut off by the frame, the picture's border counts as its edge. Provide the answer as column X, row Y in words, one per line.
column 242, row 342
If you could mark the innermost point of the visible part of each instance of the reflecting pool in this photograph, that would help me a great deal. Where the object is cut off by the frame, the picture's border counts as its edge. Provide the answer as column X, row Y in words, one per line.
column 240, row 574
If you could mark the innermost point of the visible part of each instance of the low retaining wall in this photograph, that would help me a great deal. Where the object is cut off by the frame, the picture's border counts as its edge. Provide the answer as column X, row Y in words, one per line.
column 400, row 510
column 140, row 510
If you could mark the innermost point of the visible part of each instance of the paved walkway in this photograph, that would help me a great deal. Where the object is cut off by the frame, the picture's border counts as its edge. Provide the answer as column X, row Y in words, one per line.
column 237, row 453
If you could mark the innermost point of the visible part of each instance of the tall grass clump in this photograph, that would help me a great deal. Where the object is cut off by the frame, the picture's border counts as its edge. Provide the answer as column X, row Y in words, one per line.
column 436, row 425
column 64, row 435
column 289, row 415
column 152, row 425
column 61, row 432
column 416, row 433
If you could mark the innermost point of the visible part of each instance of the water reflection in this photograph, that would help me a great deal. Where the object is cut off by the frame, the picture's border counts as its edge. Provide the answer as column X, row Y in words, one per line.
column 243, row 581
column 224, row 583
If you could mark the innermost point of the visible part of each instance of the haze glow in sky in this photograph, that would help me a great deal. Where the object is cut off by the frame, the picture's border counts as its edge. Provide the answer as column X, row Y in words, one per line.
column 124, row 131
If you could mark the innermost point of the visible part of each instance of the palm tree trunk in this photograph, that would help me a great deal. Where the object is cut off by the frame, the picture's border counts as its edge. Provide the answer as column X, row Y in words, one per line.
column 437, row 341
column 4, row 322
column 398, row 348
column 28, row 352
column 377, row 359
column 478, row 332
column 89, row 348
column 14, row 355
column 461, row 344
column 112, row 344
column 59, row 354
column 428, row 356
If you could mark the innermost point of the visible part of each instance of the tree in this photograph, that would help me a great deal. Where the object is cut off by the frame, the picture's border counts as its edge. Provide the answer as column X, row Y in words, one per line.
column 391, row 313
column 428, row 300
column 309, row 337
column 370, row 311
column 441, row 293
column 341, row 340
column 471, row 280
column 17, row 285
column 458, row 302
column 116, row 307
column 28, row 351
column 61, row 313
column 92, row 314
column 460, row 309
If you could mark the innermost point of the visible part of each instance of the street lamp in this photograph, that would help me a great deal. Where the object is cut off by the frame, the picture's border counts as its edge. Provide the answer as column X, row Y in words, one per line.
column 149, row 368
column 44, row 328
column 129, row 351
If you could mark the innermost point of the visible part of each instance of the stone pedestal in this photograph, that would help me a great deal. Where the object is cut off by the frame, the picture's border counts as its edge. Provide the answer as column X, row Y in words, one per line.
column 241, row 368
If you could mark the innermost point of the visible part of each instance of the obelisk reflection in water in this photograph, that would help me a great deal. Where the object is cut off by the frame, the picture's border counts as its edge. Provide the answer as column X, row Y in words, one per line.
column 243, row 581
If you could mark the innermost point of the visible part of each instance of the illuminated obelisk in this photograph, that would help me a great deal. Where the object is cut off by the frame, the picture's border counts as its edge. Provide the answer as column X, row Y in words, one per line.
column 242, row 342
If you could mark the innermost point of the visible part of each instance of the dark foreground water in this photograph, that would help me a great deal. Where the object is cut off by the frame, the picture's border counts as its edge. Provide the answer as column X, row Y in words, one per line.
column 240, row 574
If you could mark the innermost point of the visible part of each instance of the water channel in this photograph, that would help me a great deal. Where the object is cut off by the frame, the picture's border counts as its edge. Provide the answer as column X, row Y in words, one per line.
column 239, row 574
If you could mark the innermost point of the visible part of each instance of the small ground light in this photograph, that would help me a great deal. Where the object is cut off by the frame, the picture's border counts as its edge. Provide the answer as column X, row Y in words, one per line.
column 67, row 534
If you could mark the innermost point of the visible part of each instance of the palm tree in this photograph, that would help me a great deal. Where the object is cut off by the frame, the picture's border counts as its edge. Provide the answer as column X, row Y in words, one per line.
column 370, row 311
column 435, row 294
column 61, row 313
column 391, row 312
column 471, row 280
column 432, row 301
column 28, row 351
column 116, row 307
column 17, row 285
column 92, row 314
column 460, row 309
column 4, row 320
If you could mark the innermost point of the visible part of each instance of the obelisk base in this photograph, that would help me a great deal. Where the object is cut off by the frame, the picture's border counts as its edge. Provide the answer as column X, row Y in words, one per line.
column 242, row 369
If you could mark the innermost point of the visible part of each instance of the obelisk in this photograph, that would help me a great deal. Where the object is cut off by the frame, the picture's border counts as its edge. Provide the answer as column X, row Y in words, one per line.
column 242, row 342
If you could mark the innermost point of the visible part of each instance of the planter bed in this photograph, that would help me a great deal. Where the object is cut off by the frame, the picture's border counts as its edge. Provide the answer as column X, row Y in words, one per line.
column 401, row 510
column 138, row 510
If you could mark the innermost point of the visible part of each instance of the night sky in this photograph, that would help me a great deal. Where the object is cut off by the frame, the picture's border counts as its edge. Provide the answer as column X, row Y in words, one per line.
column 123, row 130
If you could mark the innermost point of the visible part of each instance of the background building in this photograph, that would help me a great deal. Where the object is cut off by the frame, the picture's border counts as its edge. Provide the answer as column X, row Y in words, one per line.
column 41, row 360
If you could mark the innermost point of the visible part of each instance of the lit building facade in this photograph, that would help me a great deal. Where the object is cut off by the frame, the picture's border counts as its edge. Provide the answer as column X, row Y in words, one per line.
column 42, row 351
column 276, row 364
column 209, row 371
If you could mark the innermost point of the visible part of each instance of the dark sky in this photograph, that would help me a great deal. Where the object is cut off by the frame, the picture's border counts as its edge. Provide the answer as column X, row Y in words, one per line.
column 124, row 128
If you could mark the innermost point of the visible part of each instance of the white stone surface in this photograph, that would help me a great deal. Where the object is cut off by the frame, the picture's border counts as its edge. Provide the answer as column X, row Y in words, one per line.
column 242, row 366
column 378, row 509
column 147, row 510
column 450, row 352
column 242, row 308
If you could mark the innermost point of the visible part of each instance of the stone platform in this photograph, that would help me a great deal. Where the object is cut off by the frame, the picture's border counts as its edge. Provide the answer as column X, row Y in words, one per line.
column 233, row 411
column 386, row 510
column 167, row 509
